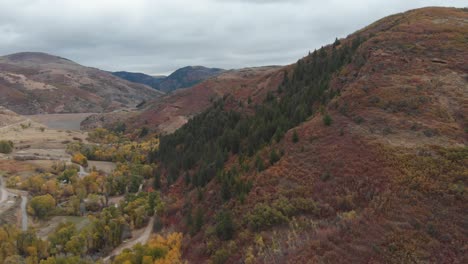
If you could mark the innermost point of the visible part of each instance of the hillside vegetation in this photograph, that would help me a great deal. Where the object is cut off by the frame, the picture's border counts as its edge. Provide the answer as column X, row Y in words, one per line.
column 359, row 155
column 356, row 153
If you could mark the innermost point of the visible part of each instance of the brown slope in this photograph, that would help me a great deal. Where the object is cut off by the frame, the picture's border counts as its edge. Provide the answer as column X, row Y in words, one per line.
column 388, row 176
column 32, row 83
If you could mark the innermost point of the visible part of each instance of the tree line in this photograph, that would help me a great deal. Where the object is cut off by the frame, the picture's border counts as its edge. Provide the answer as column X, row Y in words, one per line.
column 199, row 149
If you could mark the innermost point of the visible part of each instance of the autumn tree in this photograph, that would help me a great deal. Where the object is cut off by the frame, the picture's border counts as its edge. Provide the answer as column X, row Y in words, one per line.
column 160, row 250
column 80, row 159
column 41, row 206
column 58, row 239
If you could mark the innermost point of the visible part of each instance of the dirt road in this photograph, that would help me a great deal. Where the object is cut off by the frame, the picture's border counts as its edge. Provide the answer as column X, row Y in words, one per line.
column 3, row 191
column 142, row 239
column 24, row 214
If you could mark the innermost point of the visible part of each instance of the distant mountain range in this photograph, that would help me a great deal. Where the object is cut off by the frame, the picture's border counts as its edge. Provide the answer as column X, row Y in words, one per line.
column 137, row 77
column 181, row 78
column 171, row 111
column 34, row 83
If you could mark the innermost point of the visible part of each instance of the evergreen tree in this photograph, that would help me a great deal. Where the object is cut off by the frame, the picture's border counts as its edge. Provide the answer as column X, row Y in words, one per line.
column 295, row 137
column 157, row 180
column 327, row 120
column 224, row 226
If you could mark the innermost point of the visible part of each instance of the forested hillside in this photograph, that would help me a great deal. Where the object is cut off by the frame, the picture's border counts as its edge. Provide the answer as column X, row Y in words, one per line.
column 348, row 160
column 356, row 153
column 209, row 138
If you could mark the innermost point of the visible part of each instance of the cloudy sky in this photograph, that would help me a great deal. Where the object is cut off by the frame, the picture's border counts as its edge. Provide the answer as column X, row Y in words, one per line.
column 159, row 36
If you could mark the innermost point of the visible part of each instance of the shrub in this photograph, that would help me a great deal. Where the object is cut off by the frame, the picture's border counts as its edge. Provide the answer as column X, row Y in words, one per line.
column 345, row 203
column 24, row 126
column 41, row 206
column 284, row 206
column 199, row 221
column 220, row 256
column 274, row 157
column 374, row 100
column 144, row 131
column 327, row 120
column 264, row 216
column 259, row 164
column 325, row 176
column 303, row 205
column 295, row 206
column 358, row 119
column 6, row 146
column 430, row 132
column 336, row 43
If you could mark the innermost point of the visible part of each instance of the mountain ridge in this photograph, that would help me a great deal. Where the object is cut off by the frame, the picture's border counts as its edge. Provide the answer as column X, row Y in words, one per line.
column 181, row 78
column 35, row 82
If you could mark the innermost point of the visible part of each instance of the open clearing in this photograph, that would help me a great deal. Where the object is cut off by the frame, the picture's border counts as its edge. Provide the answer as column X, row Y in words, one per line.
column 34, row 141
column 105, row 166
column 36, row 148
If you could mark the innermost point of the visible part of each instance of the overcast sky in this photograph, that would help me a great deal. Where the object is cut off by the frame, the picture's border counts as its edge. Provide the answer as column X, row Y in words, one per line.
column 157, row 37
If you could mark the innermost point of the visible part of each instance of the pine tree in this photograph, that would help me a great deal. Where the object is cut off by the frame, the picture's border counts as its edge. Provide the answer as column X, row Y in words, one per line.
column 157, row 180
column 225, row 226
column 295, row 137
column 327, row 120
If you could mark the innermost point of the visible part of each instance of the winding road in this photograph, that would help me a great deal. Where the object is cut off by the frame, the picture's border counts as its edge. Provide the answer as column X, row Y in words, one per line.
column 4, row 193
column 142, row 239
column 82, row 173
column 24, row 214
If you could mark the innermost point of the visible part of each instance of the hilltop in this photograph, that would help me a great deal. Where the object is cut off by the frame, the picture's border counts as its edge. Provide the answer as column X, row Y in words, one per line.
column 33, row 83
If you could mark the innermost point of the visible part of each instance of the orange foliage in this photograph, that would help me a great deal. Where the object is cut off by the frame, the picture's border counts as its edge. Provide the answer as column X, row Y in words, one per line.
column 80, row 159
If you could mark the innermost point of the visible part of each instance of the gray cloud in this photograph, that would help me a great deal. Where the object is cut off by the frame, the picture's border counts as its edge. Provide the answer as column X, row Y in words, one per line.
column 156, row 36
